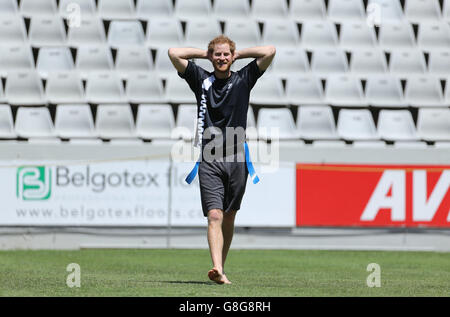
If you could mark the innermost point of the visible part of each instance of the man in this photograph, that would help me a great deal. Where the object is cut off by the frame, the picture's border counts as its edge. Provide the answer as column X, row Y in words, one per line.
column 222, row 98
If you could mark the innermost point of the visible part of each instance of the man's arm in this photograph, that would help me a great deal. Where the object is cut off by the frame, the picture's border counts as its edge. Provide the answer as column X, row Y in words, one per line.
column 263, row 54
column 180, row 56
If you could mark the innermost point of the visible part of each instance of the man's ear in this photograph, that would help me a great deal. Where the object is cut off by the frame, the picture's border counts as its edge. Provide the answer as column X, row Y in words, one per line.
column 209, row 55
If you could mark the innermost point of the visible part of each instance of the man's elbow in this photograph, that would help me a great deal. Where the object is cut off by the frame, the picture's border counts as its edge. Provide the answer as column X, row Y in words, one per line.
column 172, row 53
column 271, row 50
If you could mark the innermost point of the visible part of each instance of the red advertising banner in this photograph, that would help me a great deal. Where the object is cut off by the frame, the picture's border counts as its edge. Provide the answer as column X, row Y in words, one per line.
column 373, row 195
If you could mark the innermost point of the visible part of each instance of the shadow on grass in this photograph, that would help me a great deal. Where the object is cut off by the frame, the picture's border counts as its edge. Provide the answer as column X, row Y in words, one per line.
column 183, row 282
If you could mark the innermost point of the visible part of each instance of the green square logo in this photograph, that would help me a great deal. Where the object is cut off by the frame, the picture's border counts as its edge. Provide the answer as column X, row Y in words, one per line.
column 33, row 183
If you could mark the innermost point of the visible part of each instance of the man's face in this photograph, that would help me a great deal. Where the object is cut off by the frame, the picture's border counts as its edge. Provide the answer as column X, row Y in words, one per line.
column 221, row 57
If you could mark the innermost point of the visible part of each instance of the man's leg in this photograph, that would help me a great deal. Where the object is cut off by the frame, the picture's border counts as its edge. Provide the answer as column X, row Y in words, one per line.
column 216, row 244
column 228, row 231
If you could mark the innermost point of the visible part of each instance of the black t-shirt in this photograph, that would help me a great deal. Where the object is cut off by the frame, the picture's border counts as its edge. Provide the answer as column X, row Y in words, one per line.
column 221, row 103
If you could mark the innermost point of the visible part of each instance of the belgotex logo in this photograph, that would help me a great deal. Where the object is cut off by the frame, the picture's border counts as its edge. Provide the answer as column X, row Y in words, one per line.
column 33, row 183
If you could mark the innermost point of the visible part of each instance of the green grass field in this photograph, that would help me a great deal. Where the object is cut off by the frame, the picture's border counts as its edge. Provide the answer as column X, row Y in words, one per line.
column 254, row 273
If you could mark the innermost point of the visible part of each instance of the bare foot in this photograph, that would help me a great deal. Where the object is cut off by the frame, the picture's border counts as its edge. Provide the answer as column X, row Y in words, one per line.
column 225, row 279
column 215, row 276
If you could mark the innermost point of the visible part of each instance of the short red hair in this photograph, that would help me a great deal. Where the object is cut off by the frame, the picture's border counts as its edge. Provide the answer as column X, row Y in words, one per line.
column 221, row 39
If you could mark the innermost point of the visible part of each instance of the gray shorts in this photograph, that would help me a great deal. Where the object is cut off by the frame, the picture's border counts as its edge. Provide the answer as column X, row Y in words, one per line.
column 222, row 184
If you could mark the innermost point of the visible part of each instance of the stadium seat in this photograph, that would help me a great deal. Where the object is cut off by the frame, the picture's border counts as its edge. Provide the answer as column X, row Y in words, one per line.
column 164, row 32
column 433, row 124
column 251, row 132
column 104, row 87
column 318, row 34
column 34, row 122
column 24, row 88
column 276, row 122
column 116, row 9
column 126, row 142
column 192, row 9
column 225, row 9
column 329, row 144
column 281, row 33
column 368, row 61
column 205, row 64
column 384, row 91
column 155, row 121
column 86, row 8
column 65, row 87
column 31, row 8
column 268, row 90
column 404, row 63
column 43, row 140
column 289, row 61
column 8, row 7
column 125, row 33
column 263, row 9
column 114, row 121
column 446, row 10
column 144, row 87
column 439, row 63
column 163, row 65
column 301, row 10
column 389, row 10
column 369, row 144
column 12, row 30
column 15, row 58
column 410, row 145
column 90, row 32
column 304, row 89
column 2, row 94
column 93, row 59
column 422, row 10
column 147, row 10
column 442, row 145
column 242, row 62
column 316, row 122
column 344, row 90
column 433, row 35
column 74, row 121
column 186, row 122
column 396, row 35
column 356, row 124
column 131, row 59
column 177, row 90
column 200, row 32
column 396, row 125
column 245, row 33
column 447, row 92
column 328, row 61
column 83, row 142
column 424, row 91
column 52, row 59
column 357, row 35
column 346, row 10
column 6, row 123
column 47, row 31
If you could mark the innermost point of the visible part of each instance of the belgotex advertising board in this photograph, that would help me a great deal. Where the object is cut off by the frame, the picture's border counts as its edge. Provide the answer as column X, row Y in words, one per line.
column 373, row 195
column 130, row 193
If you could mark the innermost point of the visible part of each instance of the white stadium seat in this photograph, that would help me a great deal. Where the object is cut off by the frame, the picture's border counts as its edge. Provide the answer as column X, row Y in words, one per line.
column 114, row 121
column 301, row 10
column 185, row 122
column 12, row 30
column 369, row 144
column 344, row 90
column 422, row 10
column 147, row 10
column 143, row 87
column 131, row 59
column 52, row 59
column 346, row 10
column 433, row 35
column 387, row 10
column 410, row 145
column 126, row 142
column 90, row 32
column 15, row 58
column 268, row 90
column 206, row 64
column 240, row 63
column 244, row 32
column 316, row 122
column 356, row 124
column 200, row 32
column 47, row 31
column 384, row 91
column 104, row 87
column 281, row 33
column 446, row 10
column 74, row 121
column 324, row 144
column 2, row 94
column 368, row 61
column 433, row 124
column 396, row 125
column 251, row 132
column 289, row 61
column 192, row 9
column 276, row 122
column 34, row 122
column 24, row 88
column 8, row 7
column 163, row 65
column 69, row 8
column 304, row 89
column 224, row 9
column 177, row 90
column 396, row 35
column 263, row 9
column 65, row 87
column 328, row 61
column 6, row 123
column 125, row 33
column 84, row 142
column 318, row 34
column 357, row 35
column 164, row 32
column 116, row 9
column 404, row 63
column 93, row 59
column 439, row 63
column 29, row 8
column 155, row 121
column 424, row 91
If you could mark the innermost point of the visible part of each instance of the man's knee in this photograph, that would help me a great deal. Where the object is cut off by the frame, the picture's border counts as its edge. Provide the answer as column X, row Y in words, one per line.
column 215, row 215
